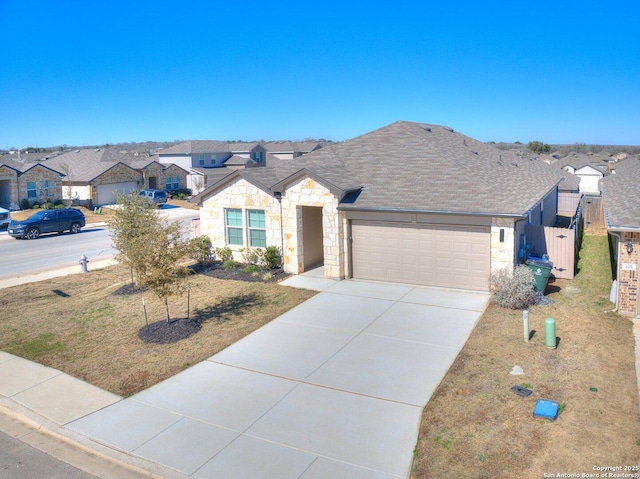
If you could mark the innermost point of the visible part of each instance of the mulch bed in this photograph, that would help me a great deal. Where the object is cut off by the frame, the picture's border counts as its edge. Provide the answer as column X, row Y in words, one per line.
column 239, row 274
column 163, row 332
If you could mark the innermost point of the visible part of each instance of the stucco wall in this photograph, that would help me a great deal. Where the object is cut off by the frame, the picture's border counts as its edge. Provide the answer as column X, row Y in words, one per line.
column 628, row 274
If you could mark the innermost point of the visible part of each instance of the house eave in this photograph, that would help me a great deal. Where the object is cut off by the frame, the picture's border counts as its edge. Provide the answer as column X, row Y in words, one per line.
column 622, row 229
column 433, row 212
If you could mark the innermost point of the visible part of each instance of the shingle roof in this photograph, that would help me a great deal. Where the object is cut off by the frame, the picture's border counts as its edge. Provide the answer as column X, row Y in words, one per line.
column 86, row 164
column 196, row 146
column 416, row 167
column 621, row 199
column 571, row 182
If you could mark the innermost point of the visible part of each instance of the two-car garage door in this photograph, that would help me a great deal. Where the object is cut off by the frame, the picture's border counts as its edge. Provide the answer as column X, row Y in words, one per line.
column 433, row 255
column 107, row 194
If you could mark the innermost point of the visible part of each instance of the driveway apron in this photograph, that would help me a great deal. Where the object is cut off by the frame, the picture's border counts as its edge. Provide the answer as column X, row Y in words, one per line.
column 333, row 388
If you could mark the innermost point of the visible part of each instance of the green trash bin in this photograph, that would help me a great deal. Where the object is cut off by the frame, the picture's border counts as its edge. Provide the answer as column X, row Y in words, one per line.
column 541, row 271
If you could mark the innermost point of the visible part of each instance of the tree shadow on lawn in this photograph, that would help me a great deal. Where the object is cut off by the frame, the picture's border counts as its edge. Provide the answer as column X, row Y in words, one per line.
column 163, row 332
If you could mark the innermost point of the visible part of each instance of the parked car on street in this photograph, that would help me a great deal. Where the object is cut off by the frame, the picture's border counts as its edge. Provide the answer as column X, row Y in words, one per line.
column 158, row 197
column 48, row 221
column 5, row 218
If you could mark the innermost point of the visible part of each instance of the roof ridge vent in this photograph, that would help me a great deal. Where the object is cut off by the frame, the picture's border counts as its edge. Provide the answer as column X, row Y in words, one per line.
column 448, row 128
column 426, row 127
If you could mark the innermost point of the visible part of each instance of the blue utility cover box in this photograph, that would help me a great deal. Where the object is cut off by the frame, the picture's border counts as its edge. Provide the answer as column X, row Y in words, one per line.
column 546, row 409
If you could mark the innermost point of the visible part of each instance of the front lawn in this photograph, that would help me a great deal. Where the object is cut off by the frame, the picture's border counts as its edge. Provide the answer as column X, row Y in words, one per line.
column 475, row 427
column 90, row 325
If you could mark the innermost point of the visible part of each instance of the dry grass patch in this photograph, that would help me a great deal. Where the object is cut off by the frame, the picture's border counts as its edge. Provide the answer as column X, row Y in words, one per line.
column 88, row 325
column 475, row 427
column 90, row 216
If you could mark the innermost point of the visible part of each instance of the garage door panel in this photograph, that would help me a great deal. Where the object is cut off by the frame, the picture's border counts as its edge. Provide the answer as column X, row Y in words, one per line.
column 434, row 255
column 107, row 194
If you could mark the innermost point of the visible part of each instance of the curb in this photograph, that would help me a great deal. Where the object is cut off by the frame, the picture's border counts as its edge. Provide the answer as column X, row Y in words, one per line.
column 94, row 459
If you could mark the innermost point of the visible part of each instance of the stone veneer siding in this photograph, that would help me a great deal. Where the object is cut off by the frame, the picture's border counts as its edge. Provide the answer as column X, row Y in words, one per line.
column 503, row 254
column 244, row 195
column 161, row 174
column 118, row 174
column 628, row 278
column 10, row 199
column 39, row 174
column 308, row 192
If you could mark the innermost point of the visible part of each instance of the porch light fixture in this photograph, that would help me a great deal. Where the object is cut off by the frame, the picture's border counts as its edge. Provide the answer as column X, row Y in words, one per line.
column 629, row 247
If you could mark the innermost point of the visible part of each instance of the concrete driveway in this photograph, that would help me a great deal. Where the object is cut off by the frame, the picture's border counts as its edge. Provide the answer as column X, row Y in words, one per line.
column 333, row 388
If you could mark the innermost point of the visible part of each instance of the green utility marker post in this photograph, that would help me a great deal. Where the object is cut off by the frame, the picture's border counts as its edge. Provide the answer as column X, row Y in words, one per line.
column 550, row 333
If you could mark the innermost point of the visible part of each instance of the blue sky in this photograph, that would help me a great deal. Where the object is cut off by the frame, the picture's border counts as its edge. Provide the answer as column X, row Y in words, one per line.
column 93, row 72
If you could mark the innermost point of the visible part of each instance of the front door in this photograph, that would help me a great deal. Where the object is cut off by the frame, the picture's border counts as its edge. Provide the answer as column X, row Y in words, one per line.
column 153, row 183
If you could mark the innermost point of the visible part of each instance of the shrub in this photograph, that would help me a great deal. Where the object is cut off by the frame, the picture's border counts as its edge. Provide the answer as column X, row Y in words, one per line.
column 252, row 268
column 271, row 257
column 230, row 264
column 513, row 288
column 200, row 249
column 224, row 253
column 250, row 255
column 25, row 204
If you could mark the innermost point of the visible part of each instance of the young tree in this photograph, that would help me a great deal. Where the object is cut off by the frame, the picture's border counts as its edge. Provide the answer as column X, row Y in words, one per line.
column 129, row 226
column 151, row 245
column 163, row 271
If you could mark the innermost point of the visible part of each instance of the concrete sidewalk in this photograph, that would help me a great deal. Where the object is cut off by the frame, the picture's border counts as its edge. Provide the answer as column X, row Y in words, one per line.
column 333, row 388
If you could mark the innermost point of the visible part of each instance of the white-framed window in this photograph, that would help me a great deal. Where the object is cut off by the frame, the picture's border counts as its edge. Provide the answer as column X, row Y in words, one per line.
column 32, row 189
column 167, row 183
column 201, row 159
column 176, row 182
column 257, row 228
column 248, row 227
column 214, row 159
column 234, row 226
column 44, row 188
column 257, row 157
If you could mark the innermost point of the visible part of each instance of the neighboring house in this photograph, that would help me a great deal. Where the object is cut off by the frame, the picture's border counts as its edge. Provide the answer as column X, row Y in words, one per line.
column 288, row 150
column 33, row 182
column 409, row 202
column 201, row 157
column 589, row 172
column 96, row 176
column 622, row 219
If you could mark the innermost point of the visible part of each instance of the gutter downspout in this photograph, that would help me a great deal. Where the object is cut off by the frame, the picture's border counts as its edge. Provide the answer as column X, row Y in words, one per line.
column 617, row 235
column 278, row 196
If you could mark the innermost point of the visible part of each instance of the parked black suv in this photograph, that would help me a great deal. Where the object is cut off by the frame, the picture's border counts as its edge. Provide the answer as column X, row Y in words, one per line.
column 47, row 221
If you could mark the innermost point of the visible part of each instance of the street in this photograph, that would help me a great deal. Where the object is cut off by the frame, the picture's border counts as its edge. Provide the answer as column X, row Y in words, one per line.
column 22, row 461
column 23, row 257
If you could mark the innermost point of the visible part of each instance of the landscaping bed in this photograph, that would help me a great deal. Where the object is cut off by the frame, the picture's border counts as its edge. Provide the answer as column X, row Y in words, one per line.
column 474, row 426
column 92, row 326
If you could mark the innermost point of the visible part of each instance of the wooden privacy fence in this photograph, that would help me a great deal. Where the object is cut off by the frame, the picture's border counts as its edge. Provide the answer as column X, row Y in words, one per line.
column 195, row 228
column 560, row 244
column 593, row 212
column 568, row 203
